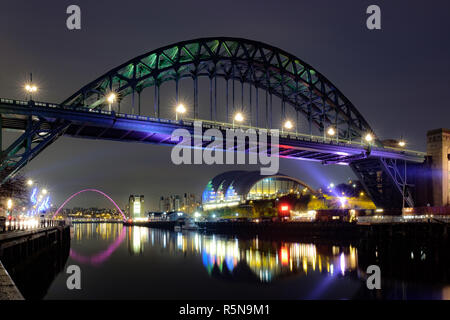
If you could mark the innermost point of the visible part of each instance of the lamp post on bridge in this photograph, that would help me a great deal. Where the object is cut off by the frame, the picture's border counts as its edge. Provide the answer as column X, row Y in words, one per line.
column 30, row 87
column 332, row 131
column 111, row 98
column 287, row 125
column 179, row 110
column 238, row 117
column 369, row 138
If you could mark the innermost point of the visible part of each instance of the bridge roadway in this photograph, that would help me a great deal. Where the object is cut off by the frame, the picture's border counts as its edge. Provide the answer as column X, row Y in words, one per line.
column 109, row 125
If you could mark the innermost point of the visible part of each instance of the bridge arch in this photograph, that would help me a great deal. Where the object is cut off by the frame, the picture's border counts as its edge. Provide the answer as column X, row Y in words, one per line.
column 100, row 257
column 263, row 66
column 90, row 190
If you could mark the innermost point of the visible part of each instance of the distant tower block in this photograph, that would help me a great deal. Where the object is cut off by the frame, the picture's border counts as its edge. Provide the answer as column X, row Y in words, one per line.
column 136, row 206
column 438, row 147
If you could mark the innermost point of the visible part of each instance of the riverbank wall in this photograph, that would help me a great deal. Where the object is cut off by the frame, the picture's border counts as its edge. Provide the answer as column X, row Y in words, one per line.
column 21, row 247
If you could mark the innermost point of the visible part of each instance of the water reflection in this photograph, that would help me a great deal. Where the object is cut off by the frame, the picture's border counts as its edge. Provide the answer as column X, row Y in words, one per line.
column 269, row 261
column 137, row 239
column 178, row 265
column 223, row 257
column 100, row 257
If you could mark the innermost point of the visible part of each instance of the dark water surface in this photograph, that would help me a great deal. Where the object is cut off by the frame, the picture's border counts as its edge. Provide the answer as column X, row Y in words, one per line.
column 120, row 262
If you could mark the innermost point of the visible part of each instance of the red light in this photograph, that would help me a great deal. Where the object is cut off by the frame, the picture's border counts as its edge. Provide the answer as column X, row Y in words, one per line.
column 9, row 218
column 284, row 208
column 130, row 221
column 284, row 256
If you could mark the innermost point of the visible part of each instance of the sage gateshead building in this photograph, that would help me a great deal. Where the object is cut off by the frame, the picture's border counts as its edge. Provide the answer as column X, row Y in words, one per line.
column 233, row 188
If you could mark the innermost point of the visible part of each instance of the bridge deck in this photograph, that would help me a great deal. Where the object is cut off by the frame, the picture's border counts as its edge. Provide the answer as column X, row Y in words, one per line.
column 109, row 125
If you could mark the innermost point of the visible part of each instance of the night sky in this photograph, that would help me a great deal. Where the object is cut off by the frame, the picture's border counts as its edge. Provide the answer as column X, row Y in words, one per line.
column 398, row 77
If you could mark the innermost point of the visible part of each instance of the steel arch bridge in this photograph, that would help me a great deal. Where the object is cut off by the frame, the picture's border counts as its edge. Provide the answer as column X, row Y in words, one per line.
column 265, row 67
column 263, row 82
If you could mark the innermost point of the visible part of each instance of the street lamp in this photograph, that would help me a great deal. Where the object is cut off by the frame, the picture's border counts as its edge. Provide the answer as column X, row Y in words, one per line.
column 111, row 98
column 288, row 125
column 29, row 182
column 179, row 110
column 368, row 138
column 402, row 143
column 331, row 132
column 238, row 117
column 30, row 87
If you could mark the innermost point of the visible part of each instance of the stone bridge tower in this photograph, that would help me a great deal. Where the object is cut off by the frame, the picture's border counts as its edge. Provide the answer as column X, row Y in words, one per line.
column 438, row 148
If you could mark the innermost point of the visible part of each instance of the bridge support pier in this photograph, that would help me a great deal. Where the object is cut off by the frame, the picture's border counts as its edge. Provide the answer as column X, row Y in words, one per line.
column 438, row 148
column 386, row 181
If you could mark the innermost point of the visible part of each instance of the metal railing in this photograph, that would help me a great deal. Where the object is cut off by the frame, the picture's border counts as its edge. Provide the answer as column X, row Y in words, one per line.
column 224, row 125
column 16, row 224
column 404, row 219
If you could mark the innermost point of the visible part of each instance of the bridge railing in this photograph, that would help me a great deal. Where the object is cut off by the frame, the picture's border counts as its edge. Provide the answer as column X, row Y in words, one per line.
column 208, row 124
column 299, row 136
column 18, row 224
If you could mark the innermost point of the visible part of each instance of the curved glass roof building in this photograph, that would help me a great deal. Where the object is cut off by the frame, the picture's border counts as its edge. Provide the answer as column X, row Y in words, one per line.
column 234, row 187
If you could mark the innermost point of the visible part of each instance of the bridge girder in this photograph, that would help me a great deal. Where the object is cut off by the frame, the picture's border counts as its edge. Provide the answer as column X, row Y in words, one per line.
column 38, row 133
column 271, row 69
column 386, row 181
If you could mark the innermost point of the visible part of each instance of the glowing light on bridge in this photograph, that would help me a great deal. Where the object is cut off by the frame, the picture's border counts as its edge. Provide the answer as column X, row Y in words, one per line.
column 288, row 125
column 368, row 137
column 30, row 88
column 401, row 143
column 239, row 117
column 331, row 131
column 90, row 190
column 181, row 109
column 111, row 97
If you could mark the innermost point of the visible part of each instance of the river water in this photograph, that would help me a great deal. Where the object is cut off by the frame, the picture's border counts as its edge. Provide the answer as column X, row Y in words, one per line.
column 119, row 262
